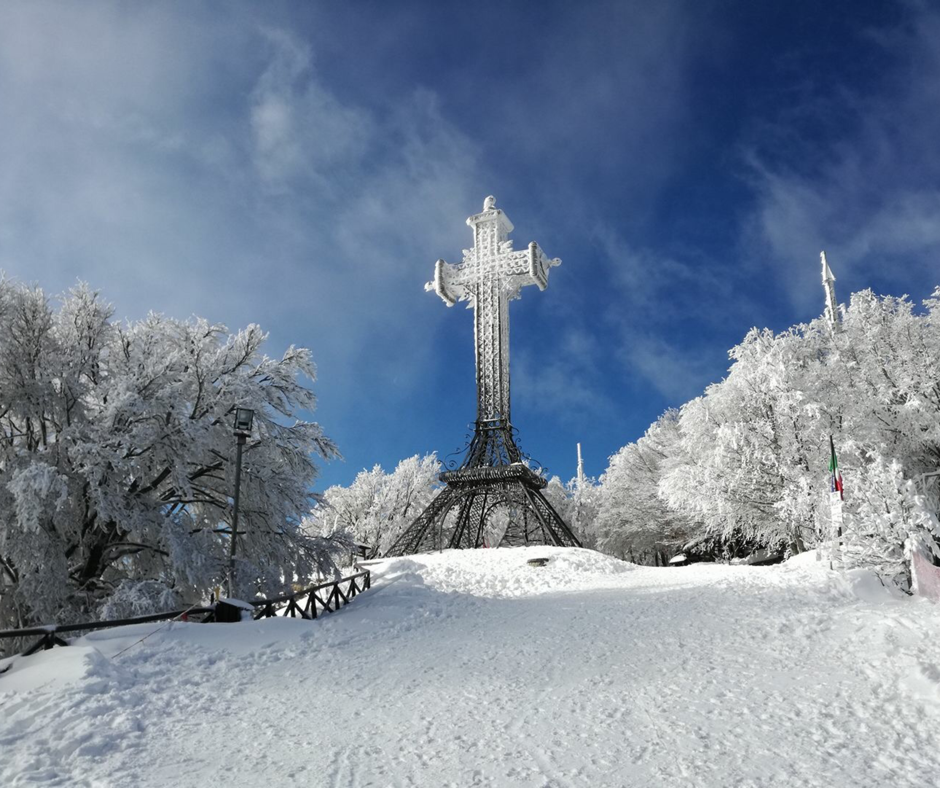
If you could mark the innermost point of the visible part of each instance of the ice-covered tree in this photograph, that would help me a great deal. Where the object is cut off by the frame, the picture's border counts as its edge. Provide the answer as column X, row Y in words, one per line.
column 576, row 502
column 633, row 520
column 883, row 521
column 116, row 459
column 745, row 465
column 375, row 509
column 889, row 355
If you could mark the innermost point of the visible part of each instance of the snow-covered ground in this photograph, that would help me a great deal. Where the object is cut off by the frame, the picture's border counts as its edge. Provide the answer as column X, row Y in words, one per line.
column 475, row 669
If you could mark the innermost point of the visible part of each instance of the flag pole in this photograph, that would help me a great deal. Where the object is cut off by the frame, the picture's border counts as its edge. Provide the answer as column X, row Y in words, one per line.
column 836, row 497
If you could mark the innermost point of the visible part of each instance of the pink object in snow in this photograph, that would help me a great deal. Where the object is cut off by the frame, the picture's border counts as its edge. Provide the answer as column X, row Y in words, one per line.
column 926, row 576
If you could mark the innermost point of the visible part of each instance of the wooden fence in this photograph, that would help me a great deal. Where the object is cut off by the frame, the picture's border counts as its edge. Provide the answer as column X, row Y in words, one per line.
column 315, row 602
column 307, row 603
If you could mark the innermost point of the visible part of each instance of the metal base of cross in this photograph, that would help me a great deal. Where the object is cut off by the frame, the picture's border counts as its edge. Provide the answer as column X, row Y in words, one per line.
column 492, row 479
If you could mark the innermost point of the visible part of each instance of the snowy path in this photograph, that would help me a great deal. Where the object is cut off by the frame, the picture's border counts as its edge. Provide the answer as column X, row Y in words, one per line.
column 473, row 669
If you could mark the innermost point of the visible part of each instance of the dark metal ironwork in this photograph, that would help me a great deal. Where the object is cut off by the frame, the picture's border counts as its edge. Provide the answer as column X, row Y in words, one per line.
column 459, row 515
column 454, row 460
column 492, row 478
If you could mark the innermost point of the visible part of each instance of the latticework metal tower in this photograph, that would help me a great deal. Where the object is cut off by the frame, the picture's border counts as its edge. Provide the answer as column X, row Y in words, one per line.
column 492, row 483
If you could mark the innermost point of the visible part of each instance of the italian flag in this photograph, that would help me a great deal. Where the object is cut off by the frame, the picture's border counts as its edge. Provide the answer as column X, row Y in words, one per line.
column 836, row 477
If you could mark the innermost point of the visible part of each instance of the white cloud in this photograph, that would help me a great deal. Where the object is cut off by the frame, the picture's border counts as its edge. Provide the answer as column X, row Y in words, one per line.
column 565, row 380
column 197, row 164
column 869, row 196
column 678, row 373
column 300, row 129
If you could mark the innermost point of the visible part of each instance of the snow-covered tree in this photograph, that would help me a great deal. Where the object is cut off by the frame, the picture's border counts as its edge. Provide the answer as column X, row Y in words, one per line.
column 576, row 502
column 891, row 420
column 882, row 522
column 633, row 520
column 376, row 508
column 117, row 454
column 746, row 470
column 745, row 464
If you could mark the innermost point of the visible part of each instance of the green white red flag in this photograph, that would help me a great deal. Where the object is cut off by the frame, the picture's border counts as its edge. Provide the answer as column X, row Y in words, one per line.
column 835, row 479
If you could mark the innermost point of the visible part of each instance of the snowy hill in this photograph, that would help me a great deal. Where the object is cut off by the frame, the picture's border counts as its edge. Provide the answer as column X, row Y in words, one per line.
column 475, row 669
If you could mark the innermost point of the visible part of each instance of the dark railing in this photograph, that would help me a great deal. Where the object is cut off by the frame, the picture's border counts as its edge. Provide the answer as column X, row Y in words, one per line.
column 50, row 634
column 333, row 601
column 315, row 603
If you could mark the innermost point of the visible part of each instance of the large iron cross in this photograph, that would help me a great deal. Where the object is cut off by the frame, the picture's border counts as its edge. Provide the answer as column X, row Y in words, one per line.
column 490, row 276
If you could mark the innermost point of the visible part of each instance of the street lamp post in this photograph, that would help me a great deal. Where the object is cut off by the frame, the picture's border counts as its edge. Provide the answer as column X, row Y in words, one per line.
column 243, row 420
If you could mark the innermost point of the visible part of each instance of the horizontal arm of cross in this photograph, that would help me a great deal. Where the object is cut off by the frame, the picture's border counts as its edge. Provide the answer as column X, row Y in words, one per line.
column 530, row 266
column 537, row 265
column 445, row 284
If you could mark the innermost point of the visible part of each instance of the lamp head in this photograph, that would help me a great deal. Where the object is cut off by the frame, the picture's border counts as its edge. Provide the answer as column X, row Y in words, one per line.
column 243, row 420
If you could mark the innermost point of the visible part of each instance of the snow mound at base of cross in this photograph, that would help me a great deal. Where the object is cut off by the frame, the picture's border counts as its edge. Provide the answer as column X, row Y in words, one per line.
column 505, row 572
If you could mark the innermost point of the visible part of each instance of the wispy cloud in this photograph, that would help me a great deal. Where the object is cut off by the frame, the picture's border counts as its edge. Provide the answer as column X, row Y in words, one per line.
column 677, row 371
column 145, row 153
column 300, row 130
column 567, row 380
column 864, row 188
column 659, row 308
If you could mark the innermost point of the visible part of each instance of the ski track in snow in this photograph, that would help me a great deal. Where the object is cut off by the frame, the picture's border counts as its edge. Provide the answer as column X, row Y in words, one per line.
column 474, row 669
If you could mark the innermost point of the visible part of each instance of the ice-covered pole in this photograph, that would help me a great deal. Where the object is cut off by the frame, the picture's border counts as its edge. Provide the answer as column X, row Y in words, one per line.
column 832, row 306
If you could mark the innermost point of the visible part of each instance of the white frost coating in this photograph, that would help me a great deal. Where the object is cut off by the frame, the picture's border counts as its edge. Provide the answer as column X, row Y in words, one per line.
column 438, row 284
column 38, row 492
column 490, row 275
column 832, row 306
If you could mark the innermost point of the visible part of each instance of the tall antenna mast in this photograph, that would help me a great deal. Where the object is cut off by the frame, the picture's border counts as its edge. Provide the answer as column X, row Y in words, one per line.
column 832, row 306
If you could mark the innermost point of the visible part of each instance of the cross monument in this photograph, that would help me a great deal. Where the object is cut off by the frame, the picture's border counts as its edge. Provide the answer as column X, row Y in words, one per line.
column 492, row 483
column 490, row 276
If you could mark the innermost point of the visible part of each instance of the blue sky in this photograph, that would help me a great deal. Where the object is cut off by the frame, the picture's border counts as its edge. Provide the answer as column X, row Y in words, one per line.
column 302, row 166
